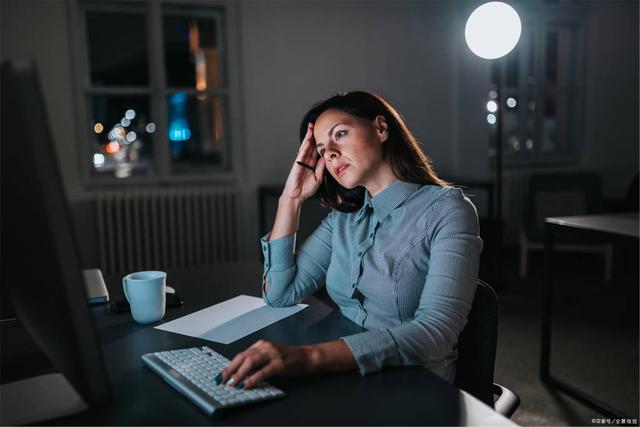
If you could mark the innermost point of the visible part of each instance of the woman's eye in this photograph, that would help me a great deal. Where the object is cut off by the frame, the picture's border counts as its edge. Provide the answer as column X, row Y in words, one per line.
column 340, row 134
column 321, row 151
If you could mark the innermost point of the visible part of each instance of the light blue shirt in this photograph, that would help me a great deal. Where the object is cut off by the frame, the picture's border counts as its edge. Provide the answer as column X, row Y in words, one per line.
column 404, row 266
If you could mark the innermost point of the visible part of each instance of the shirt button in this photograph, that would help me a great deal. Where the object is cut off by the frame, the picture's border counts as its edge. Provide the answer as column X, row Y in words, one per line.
column 371, row 235
column 359, row 253
column 264, row 247
column 353, row 285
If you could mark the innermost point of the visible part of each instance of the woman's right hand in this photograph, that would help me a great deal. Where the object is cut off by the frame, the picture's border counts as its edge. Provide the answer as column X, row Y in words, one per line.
column 303, row 183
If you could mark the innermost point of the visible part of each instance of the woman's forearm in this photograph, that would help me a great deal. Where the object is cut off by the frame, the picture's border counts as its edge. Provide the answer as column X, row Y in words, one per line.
column 287, row 218
column 286, row 223
column 330, row 357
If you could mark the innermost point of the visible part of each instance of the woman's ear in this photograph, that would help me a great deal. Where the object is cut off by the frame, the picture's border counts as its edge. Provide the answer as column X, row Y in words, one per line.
column 382, row 128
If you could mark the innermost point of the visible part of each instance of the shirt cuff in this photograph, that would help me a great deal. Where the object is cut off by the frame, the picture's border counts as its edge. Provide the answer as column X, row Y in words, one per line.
column 278, row 254
column 372, row 350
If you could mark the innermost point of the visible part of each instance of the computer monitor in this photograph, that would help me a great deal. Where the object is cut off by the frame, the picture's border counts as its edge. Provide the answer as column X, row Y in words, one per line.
column 40, row 261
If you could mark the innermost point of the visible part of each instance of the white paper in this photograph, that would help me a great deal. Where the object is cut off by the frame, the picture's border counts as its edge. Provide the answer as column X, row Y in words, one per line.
column 229, row 320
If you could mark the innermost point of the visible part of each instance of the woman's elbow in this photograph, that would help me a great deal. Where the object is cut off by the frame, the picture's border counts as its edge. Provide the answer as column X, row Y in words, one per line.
column 437, row 344
column 280, row 301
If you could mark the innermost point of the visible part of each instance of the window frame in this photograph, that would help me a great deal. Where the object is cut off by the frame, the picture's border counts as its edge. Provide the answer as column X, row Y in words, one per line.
column 226, row 14
column 542, row 19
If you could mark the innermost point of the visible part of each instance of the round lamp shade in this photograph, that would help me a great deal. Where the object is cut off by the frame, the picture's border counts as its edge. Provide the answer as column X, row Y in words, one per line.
column 493, row 30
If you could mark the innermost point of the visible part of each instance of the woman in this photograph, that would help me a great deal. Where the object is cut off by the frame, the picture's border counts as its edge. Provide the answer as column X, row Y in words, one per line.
column 398, row 253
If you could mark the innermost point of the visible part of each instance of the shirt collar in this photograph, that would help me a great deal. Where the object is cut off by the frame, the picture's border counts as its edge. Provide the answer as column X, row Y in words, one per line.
column 388, row 199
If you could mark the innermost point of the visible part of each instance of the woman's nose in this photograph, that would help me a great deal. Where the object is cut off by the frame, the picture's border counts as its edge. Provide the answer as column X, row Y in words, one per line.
column 331, row 152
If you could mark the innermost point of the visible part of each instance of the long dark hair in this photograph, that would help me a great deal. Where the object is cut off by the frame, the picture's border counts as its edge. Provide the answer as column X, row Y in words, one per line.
column 403, row 152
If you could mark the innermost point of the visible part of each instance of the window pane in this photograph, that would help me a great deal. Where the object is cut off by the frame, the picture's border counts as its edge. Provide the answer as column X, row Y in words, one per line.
column 117, row 45
column 122, row 135
column 196, row 132
column 561, row 57
column 192, row 54
column 513, row 69
column 551, row 60
column 512, row 144
column 549, row 137
column 559, row 123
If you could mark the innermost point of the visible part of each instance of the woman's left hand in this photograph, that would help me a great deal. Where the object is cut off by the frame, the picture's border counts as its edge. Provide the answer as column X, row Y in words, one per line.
column 263, row 360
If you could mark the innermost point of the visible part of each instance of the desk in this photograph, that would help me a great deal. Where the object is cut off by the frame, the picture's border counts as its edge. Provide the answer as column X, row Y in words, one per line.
column 618, row 226
column 397, row 396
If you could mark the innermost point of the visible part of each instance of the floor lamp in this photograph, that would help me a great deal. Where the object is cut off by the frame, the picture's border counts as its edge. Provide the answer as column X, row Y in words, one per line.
column 492, row 31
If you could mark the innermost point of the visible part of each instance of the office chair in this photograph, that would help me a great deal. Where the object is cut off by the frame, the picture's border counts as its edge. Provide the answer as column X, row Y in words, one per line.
column 562, row 194
column 477, row 346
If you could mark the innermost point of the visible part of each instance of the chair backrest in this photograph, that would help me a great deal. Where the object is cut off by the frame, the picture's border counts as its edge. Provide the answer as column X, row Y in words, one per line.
column 477, row 345
column 560, row 194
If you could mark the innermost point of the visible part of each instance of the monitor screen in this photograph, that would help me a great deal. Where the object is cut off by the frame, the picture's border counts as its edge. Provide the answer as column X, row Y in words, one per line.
column 40, row 262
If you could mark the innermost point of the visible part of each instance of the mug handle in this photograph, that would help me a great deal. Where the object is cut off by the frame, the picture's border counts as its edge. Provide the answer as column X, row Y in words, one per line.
column 124, row 288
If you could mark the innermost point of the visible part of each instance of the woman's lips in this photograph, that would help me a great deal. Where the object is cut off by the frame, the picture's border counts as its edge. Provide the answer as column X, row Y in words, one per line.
column 341, row 169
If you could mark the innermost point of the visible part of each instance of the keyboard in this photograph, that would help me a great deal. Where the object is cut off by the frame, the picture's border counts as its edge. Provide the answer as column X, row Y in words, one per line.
column 191, row 371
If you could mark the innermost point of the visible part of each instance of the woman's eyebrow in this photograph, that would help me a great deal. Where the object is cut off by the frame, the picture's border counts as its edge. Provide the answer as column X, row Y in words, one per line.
column 329, row 133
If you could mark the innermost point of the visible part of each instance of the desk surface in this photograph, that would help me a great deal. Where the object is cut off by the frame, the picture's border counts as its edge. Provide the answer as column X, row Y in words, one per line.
column 395, row 396
column 625, row 224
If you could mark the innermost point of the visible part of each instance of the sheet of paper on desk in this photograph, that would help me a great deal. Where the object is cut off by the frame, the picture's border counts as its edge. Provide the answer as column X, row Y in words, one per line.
column 229, row 320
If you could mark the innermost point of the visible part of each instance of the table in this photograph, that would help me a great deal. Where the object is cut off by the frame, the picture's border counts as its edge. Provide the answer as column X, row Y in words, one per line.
column 395, row 396
column 623, row 225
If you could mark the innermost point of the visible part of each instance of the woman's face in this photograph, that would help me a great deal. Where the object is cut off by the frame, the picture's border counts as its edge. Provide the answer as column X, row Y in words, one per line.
column 351, row 146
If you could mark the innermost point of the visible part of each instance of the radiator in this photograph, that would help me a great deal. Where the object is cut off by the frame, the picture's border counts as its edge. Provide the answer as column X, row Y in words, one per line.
column 162, row 229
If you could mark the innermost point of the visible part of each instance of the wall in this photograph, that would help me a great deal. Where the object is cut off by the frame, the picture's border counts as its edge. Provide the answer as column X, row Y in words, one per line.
column 412, row 53
column 296, row 53
column 39, row 30
column 611, row 119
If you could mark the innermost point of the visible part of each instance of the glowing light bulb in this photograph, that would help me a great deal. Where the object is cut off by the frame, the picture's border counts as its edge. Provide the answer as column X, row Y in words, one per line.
column 492, row 106
column 493, row 30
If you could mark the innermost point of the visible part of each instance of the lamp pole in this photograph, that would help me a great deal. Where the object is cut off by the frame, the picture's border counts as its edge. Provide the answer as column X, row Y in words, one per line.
column 492, row 31
column 495, row 76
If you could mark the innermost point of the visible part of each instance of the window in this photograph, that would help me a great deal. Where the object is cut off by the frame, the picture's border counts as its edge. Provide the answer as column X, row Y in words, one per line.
column 155, row 91
column 542, row 90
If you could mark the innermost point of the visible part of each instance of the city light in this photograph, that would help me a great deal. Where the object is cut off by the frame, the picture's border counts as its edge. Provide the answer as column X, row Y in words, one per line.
column 130, row 114
column 179, row 133
column 98, row 159
column 113, row 147
column 98, row 128
column 125, row 122
column 150, row 128
column 491, row 119
column 492, row 106
column 131, row 136
column 511, row 102
column 178, row 126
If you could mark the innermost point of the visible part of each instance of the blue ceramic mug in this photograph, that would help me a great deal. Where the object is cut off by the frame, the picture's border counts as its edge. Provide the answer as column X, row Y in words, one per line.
column 145, row 291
